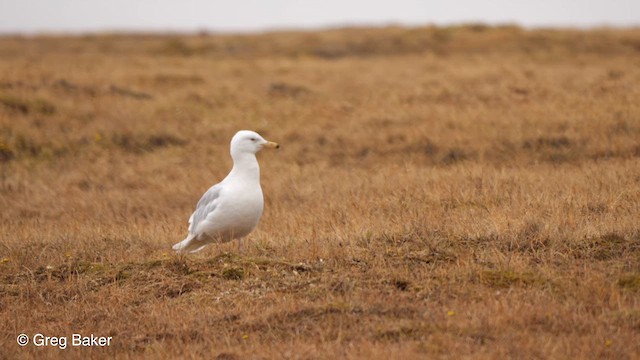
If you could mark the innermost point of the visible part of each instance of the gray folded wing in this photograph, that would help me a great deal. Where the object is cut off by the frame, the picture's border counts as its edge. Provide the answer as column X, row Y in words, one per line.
column 207, row 204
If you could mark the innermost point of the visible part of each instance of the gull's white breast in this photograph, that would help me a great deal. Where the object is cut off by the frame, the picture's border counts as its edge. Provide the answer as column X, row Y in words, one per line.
column 238, row 213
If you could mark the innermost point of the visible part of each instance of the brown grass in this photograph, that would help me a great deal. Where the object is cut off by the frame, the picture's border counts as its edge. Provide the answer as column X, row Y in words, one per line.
column 463, row 192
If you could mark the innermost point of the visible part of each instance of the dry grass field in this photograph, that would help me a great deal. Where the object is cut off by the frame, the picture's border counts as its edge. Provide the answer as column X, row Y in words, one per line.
column 459, row 192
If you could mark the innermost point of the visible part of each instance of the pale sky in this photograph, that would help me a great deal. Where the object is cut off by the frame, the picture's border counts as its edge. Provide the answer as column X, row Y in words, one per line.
column 33, row 16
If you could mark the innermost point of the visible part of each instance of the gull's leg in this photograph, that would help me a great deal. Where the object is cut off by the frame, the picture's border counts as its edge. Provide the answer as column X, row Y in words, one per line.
column 240, row 245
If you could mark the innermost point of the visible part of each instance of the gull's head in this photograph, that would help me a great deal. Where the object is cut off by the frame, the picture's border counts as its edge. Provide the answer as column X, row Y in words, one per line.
column 246, row 141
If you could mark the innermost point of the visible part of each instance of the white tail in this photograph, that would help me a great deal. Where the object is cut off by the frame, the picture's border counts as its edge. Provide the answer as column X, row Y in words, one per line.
column 190, row 244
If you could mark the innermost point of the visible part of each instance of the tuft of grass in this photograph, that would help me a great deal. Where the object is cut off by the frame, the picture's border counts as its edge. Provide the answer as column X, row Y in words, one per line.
column 454, row 156
column 508, row 278
column 287, row 90
column 142, row 143
column 403, row 334
column 177, row 80
column 233, row 273
column 553, row 142
column 630, row 282
column 35, row 106
column 14, row 104
column 43, row 107
column 402, row 285
column 607, row 247
column 138, row 95
column 227, row 356
column 173, row 47
column 6, row 152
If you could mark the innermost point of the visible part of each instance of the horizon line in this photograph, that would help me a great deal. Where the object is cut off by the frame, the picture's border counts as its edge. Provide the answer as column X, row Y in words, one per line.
column 152, row 30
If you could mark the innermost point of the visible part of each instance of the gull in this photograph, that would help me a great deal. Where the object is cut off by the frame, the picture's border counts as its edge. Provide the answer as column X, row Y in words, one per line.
column 232, row 208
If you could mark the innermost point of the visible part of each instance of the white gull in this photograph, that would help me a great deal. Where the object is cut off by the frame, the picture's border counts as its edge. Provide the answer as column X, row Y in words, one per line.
column 232, row 208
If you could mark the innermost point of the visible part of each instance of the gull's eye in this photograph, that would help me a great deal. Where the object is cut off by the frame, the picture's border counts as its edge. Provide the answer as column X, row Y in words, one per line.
column 253, row 139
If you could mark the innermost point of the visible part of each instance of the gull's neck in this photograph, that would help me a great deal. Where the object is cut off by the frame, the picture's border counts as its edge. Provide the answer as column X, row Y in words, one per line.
column 245, row 165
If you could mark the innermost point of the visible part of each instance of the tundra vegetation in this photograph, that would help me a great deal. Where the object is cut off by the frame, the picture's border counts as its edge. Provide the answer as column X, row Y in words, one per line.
column 465, row 192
